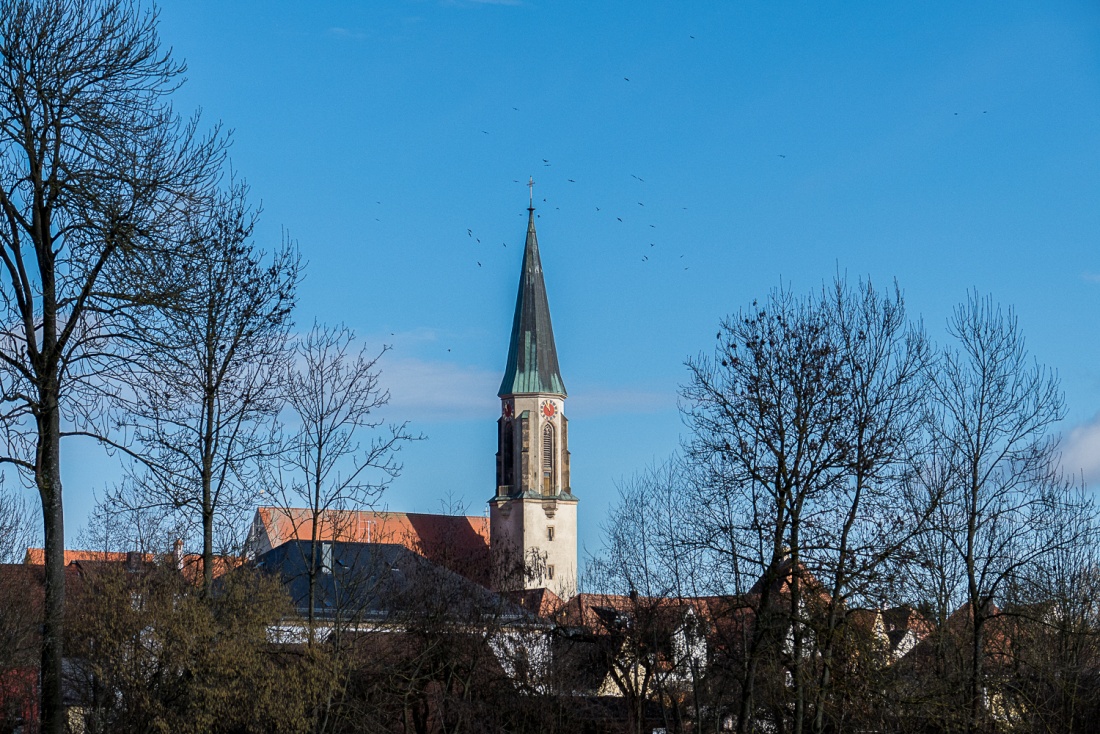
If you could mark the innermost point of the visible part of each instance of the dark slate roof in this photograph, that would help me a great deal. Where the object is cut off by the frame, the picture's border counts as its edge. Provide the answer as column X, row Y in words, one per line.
column 382, row 581
column 532, row 358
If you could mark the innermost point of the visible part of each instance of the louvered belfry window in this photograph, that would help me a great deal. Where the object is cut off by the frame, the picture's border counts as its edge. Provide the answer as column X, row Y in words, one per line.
column 548, row 459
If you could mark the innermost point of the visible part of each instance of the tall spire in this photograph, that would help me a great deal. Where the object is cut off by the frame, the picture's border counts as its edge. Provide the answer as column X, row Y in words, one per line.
column 532, row 357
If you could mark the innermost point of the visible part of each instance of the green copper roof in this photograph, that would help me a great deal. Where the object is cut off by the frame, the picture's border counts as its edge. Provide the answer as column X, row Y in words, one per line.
column 532, row 358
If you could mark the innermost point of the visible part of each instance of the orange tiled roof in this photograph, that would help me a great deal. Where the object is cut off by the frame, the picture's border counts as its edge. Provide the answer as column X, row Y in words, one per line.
column 368, row 526
column 191, row 566
column 37, row 556
column 189, row 563
column 457, row 542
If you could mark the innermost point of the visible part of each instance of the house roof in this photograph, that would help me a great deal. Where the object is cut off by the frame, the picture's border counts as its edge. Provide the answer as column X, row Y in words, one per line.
column 37, row 556
column 997, row 640
column 378, row 581
column 542, row 602
column 532, row 365
column 457, row 542
column 190, row 564
column 905, row 618
column 780, row 584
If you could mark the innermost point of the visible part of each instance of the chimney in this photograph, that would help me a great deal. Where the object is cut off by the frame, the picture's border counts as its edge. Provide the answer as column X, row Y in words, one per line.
column 177, row 553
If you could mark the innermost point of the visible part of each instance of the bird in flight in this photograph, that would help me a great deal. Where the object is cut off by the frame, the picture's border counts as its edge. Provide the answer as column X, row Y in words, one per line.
column 572, row 181
column 619, row 218
column 626, row 78
column 781, row 155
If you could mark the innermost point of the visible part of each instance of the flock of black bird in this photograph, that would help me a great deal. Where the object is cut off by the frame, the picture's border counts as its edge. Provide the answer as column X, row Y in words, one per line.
column 546, row 162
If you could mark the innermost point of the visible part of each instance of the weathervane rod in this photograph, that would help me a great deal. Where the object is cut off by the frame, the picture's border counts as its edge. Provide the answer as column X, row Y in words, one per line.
column 531, row 192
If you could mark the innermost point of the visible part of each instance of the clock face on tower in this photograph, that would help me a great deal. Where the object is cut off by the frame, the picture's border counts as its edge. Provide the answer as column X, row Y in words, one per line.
column 507, row 410
column 548, row 409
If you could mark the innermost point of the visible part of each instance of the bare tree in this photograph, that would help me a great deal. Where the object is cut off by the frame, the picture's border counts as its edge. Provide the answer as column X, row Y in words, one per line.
column 802, row 428
column 863, row 532
column 994, row 410
column 208, row 383
column 641, row 580
column 1056, row 622
column 765, row 414
column 94, row 164
column 113, row 527
column 333, row 395
column 17, row 526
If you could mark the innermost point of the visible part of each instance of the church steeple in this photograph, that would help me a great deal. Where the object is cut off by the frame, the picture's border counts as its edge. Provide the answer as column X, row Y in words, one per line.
column 532, row 357
column 533, row 513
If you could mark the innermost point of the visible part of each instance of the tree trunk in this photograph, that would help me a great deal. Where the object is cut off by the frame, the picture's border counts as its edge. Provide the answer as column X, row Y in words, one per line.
column 748, row 684
column 312, row 574
column 797, row 675
column 48, row 478
column 207, row 541
column 208, row 441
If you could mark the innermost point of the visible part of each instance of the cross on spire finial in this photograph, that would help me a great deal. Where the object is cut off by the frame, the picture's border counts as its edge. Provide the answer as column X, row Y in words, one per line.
column 530, row 193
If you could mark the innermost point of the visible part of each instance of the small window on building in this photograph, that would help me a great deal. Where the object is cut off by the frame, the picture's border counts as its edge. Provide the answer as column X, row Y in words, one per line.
column 326, row 557
column 550, row 572
column 550, row 533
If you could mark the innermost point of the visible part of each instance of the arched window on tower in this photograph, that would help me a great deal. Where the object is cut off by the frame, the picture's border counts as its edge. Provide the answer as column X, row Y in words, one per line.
column 548, row 459
column 507, row 453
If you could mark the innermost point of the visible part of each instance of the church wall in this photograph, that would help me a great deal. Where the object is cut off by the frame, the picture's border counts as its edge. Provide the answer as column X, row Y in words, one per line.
column 521, row 543
column 559, row 554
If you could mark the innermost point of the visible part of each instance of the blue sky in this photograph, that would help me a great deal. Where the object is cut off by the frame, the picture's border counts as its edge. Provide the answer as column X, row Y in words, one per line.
column 947, row 145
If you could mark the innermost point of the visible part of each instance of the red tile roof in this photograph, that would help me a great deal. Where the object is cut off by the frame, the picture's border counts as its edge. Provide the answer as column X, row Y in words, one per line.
column 37, row 556
column 188, row 563
column 457, row 542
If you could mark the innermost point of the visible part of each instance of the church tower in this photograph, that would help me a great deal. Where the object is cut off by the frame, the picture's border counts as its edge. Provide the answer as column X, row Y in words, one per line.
column 533, row 516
